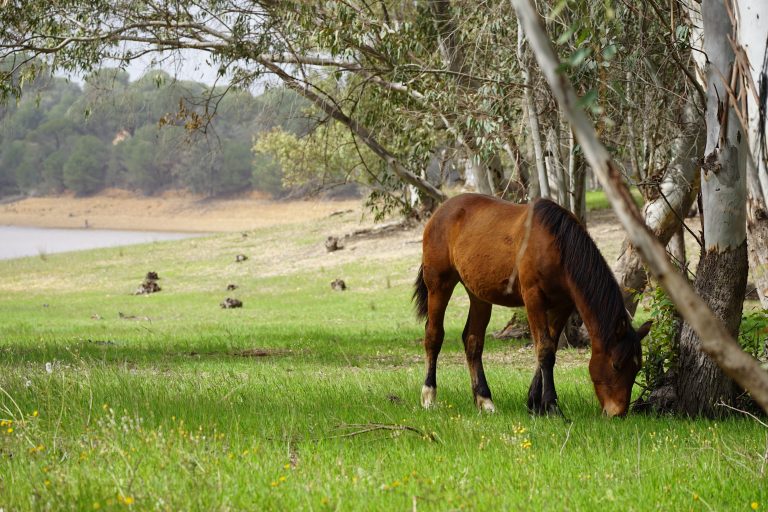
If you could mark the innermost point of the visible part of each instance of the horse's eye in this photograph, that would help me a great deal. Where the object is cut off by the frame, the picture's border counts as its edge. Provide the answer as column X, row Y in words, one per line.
column 615, row 366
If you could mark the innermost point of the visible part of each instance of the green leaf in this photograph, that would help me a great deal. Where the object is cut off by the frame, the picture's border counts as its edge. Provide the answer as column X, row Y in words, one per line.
column 558, row 8
column 589, row 100
column 610, row 51
column 565, row 36
column 579, row 56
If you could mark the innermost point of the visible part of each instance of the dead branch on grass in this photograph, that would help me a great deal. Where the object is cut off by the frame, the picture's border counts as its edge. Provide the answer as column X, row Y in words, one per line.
column 357, row 429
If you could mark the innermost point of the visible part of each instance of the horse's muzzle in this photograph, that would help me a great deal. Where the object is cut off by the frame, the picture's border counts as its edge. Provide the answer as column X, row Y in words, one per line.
column 612, row 409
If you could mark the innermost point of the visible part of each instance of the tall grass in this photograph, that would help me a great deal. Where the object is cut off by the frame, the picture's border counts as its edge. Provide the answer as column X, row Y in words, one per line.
column 307, row 398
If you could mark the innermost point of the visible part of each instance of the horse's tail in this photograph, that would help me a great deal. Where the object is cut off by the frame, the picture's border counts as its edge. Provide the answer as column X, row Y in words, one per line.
column 420, row 294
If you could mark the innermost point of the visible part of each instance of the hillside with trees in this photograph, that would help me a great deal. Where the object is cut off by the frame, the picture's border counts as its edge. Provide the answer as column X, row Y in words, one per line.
column 147, row 135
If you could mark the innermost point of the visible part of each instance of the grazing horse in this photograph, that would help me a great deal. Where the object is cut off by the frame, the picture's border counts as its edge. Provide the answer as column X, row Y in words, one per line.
column 534, row 255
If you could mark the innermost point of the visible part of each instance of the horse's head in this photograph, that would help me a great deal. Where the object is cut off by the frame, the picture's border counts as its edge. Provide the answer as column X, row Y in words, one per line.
column 614, row 366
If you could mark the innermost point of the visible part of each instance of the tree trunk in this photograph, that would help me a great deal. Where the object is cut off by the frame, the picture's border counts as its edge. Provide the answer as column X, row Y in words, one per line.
column 555, row 168
column 753, row 37
column 721, row 277
column 533, row 117
column 664, row 213
column 516, row 189
column 757, row 238
column 578, row 172
column 676, row 248
column 487, row 176
column 475, row 176
column 634, row 153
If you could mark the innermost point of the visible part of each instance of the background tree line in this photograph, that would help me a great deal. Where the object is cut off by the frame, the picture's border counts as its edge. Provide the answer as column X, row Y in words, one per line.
column 154, row 134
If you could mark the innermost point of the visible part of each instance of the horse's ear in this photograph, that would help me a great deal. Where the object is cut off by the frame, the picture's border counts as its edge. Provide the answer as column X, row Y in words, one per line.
column 644, row 329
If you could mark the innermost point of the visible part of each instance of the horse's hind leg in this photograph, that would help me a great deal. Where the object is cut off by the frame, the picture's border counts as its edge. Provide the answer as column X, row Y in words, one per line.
column 437, row 300
column 474, row 339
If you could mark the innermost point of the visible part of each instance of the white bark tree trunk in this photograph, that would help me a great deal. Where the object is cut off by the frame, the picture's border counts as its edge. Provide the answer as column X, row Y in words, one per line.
column 555, row 168
column 475, row 176
column 721, row 277
column 578, row 173
column 516, row 189
column 754, row 38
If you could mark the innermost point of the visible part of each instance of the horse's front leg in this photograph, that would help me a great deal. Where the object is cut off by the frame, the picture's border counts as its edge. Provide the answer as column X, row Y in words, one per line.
column 542, row 396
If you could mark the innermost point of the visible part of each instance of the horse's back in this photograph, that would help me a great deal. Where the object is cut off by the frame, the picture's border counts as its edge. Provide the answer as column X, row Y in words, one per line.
column 477, row 238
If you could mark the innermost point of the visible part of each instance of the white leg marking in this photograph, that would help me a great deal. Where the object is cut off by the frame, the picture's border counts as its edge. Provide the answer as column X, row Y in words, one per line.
column 428, row 396
column 485, row 404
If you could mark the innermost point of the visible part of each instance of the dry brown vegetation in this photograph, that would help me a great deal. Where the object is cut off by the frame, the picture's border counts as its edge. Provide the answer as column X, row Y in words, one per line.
column 172, row 212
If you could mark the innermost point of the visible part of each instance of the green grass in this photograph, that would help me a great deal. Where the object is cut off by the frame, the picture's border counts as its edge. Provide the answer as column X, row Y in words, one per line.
column 166, row 410
column 596, row 200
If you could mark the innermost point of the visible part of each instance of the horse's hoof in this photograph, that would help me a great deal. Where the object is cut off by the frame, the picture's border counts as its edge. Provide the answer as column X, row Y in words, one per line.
column 428, row 396
column 552, row 409
column 485, row 404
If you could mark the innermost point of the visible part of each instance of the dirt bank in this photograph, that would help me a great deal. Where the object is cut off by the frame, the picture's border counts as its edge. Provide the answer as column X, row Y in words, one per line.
column 123, row 210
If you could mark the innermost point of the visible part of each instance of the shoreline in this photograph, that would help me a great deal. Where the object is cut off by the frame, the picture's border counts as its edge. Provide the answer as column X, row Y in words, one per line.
column 185, row 214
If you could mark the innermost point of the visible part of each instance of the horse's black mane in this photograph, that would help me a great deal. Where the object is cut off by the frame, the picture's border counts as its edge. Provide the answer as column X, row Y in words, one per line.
column 585, row 266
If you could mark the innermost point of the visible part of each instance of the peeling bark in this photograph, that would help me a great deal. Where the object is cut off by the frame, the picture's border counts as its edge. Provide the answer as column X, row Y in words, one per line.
column 721, row 277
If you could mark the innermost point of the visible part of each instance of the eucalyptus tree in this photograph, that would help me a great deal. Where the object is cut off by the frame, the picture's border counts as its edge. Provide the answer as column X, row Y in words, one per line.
column 754, row 39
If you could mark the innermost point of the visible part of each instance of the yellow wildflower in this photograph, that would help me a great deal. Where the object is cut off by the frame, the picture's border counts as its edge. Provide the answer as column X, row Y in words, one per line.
column 755, row 505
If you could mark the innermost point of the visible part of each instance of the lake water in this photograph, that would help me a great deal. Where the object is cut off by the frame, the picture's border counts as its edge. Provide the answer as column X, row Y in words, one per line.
column 16, row 242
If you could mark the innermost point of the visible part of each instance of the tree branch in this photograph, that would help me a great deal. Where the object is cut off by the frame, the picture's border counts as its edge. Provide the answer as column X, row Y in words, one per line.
column 359, row 130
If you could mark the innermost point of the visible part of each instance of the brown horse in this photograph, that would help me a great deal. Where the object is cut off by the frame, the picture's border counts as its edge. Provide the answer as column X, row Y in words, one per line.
column 534, row 255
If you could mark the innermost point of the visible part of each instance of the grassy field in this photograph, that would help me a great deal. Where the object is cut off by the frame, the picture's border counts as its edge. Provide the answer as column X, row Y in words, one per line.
column 307, row 398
